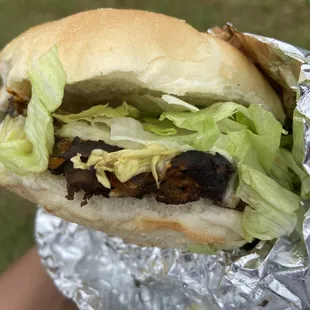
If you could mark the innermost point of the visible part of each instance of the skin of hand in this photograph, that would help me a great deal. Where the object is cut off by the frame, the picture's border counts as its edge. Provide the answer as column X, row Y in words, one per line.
column 27, row 286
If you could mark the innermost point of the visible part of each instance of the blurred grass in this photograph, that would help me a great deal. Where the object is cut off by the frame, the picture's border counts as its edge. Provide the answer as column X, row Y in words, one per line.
column 16, row 230
column 283, row 19
column 287, row 20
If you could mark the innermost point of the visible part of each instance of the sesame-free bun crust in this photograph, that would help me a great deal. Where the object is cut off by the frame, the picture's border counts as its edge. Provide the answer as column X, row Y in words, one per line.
column 114, row 49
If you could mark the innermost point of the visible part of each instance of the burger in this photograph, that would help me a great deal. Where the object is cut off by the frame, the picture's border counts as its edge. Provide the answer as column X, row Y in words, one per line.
column 138, row 125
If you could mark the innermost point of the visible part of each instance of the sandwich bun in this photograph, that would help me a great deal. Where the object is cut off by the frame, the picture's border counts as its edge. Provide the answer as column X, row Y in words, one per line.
column 144, row 222
column 109, row 53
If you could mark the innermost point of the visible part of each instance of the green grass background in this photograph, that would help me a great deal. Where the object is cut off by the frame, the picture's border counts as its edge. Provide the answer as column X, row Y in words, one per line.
column 286, row 20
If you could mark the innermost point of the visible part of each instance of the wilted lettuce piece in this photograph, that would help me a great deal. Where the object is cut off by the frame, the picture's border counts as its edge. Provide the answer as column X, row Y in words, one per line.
column 48, row 79
column 126, row 164
column 100, row 110
column 271, row 208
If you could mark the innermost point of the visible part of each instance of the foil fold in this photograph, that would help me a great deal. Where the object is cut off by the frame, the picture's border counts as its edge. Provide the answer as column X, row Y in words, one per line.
column 99, row 272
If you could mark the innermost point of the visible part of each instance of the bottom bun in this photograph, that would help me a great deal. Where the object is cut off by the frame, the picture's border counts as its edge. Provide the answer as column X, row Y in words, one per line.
column 144, row 222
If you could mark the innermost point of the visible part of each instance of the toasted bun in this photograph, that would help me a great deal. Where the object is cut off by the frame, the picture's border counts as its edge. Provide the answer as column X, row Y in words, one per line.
column 144, row 222
column 126, row 50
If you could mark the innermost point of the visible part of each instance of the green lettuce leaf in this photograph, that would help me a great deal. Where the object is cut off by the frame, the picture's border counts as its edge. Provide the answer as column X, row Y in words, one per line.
column 30, row 154
column 100, row 110
column 257, row 146
column 94, row 132
column 14, row 143
column 124, row 132
column 12, row 129
column 241, row 149
column 151, row 106
column 162, row 128
column 258, row 130
column 195, row 121
column 267, row 138
column 271, row 208
column 228, row 125
column 201, row 122
column 129, row 129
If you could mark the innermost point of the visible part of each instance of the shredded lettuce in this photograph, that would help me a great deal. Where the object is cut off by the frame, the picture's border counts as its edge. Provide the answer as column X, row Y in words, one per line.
column 30, row 152
column 126, row 164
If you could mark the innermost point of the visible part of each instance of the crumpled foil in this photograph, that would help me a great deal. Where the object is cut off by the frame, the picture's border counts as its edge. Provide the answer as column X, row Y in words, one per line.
column 99, row 272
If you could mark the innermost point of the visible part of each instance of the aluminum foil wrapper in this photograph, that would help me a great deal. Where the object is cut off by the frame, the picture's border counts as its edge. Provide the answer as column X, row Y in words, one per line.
column 99, row 272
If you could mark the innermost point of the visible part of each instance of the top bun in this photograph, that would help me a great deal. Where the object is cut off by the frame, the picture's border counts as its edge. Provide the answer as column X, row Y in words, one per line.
column 143, row 50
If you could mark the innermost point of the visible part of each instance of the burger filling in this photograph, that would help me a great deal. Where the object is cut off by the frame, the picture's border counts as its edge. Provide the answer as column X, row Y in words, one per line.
column 150, row 143
column 187, row 177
